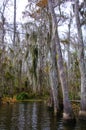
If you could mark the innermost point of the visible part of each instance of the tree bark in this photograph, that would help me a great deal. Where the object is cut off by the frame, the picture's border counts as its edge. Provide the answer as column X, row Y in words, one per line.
column 68, row 113
column 54, row 78
column 53, row 71
column 69, row 55
column 14, row 35
column 82, row 64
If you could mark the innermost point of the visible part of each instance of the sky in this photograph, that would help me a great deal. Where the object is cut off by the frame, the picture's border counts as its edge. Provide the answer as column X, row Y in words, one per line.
column 20, row 7
column 9, row 12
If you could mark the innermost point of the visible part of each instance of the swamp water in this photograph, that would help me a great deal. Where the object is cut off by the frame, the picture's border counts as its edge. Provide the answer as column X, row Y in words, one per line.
column 32, row 116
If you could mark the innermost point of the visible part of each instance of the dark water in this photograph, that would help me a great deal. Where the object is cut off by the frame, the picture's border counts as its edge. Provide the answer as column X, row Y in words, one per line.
column 32, row 116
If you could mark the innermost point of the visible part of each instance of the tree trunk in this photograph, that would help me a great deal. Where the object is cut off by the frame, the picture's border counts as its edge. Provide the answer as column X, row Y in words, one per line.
column 68, row 113
column 53, row 74
column 14, row 35
column 54, row 78
column 69, row 55
column 82, row 64
column 41, row 63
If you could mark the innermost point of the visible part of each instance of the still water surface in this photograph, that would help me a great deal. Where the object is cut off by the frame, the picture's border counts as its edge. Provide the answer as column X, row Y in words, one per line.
column 32, row 116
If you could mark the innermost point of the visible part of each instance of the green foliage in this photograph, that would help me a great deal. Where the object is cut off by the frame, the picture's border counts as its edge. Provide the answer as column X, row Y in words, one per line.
column 22, row 96
column 25, row 96
column 8, row 75
column 74, row 96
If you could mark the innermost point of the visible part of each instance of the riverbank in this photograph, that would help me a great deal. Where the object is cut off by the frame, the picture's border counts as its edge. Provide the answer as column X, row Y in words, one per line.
column 10, row 100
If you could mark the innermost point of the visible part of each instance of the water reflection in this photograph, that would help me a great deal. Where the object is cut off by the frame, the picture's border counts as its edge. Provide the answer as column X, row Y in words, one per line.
column 32, row 116
column 82, row 125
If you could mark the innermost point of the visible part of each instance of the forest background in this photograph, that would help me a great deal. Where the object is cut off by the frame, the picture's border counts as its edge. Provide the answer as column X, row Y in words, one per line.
column 44, row 56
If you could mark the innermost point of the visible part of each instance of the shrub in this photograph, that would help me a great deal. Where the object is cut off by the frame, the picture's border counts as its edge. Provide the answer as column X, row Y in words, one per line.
column 22, row 96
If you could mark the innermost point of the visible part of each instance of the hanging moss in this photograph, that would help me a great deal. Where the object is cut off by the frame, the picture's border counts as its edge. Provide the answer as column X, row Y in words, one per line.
column 48, row 38
column 4, row 64
column 34, row 36
column 75, row 78
column 20, row 62
column 0, row 52
column 27, row 35
column 34, row 61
